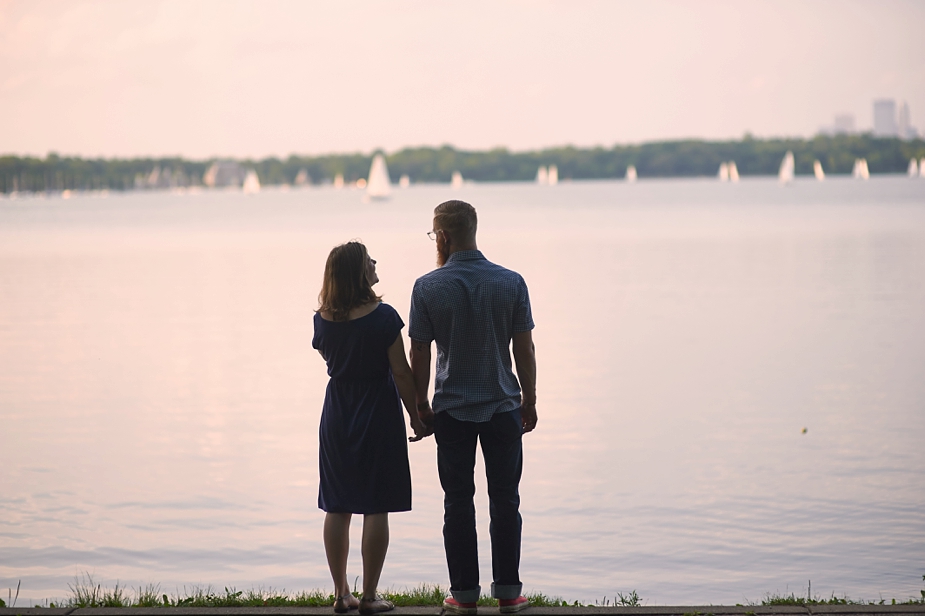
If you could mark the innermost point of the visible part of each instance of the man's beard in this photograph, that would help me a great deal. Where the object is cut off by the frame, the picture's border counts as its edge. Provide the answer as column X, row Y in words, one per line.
column 441, row 258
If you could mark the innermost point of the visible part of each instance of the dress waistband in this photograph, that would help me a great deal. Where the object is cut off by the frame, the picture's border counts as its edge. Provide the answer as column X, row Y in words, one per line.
column 344, row 380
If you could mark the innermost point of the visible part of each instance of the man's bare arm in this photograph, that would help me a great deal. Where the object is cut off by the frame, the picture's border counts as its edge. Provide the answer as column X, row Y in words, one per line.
column 420, row 367
column 525, row 361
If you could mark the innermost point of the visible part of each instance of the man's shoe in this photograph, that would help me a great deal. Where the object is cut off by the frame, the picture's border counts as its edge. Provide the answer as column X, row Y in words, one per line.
column 509, row 606
column 452, row 606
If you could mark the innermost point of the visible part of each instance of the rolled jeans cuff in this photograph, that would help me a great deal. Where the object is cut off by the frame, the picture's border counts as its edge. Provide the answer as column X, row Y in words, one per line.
column 506, row 591
column 467, row 596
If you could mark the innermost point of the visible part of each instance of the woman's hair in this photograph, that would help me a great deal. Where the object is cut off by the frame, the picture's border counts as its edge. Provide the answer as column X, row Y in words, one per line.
column 345, row 284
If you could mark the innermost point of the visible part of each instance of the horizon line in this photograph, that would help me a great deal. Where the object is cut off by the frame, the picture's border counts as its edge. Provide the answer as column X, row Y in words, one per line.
column 380, row 150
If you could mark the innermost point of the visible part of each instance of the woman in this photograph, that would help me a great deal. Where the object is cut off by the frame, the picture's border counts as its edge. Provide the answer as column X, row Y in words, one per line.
column 363, row 455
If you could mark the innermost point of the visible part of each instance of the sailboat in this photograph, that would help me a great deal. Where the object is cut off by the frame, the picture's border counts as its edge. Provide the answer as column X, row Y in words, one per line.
column 553, row 175
column 339, row 180
column 723, row 173
column 860, row 171
column 733, row 171
column 404, row 181
column 913, row 168
column 785, row 175
column 301, row 179
column 378, row 186
column 542, row 176
column 631, row 174
column 251, row 183
column 817, row 170
column 456, row 181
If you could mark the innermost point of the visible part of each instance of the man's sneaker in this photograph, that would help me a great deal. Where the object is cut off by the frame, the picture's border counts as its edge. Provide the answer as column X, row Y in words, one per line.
column 452, row 606
column 509, row 606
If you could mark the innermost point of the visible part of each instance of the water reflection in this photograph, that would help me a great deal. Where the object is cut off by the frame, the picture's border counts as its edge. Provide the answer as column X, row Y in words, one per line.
column 160, row 398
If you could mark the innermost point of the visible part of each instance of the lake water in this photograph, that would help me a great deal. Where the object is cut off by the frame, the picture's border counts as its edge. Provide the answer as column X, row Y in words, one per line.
column 159, row 397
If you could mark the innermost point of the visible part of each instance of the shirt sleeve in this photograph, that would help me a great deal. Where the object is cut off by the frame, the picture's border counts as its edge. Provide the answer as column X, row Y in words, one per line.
column 420, row 327
column 316, row 338
column 392, row 326
column 523, row 315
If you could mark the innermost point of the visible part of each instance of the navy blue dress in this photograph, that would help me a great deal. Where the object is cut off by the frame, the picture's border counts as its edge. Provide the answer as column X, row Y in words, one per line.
column 363, row 452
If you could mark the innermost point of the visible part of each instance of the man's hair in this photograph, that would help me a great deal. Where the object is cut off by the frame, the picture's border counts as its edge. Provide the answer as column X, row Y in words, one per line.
column 457, row 219
column 345, row 284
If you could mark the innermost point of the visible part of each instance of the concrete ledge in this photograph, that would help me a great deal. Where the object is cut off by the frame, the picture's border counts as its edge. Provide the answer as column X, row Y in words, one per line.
column 653, row 610
column 35, row 611
column 867, row 609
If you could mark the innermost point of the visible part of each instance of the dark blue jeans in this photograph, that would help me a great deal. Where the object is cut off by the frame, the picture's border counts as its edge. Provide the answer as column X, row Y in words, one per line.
column 502, row 448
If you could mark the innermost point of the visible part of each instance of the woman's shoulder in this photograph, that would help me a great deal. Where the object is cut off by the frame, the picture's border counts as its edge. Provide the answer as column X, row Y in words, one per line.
column 386, row 308
column 386, row 311
column 388, row 315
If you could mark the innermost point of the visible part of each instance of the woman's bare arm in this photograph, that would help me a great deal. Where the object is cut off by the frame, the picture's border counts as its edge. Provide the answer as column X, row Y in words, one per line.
column 404, row 380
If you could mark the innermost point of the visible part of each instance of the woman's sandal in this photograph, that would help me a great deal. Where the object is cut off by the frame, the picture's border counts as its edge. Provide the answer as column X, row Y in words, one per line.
column 345, row 603
column 375, row 605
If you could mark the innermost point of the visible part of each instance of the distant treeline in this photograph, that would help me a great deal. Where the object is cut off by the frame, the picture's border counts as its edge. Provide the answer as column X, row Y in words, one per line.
column 426, row 164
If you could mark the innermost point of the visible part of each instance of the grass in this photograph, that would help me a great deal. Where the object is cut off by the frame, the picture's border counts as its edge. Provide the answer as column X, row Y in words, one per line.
column 84, row 592
column 811, row 599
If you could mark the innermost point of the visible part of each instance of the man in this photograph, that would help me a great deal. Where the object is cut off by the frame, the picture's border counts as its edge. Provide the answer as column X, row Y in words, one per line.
column 474, row 310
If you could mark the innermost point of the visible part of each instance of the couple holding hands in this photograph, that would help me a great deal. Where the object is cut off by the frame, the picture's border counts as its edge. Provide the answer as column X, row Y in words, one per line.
column 477, row 313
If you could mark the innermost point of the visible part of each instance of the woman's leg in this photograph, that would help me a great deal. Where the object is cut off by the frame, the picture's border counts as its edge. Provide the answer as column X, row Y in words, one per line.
column 336, row 546
column 375, row 545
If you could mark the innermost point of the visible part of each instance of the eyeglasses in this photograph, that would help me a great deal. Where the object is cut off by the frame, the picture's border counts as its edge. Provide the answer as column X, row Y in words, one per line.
column 432, row 235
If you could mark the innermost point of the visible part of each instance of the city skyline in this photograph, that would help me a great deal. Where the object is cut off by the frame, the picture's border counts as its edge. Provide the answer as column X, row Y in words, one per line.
column 210, row 79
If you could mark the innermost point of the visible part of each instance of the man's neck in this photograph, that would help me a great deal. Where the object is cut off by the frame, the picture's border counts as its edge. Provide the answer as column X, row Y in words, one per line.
column 454, row 249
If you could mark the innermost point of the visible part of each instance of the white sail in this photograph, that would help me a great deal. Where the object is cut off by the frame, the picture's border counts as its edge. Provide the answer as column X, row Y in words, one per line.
column 378, row 186
column 553, row 175
column 785, row 175
column 542, row 176
column 301, row 179
column 817, row 170
column 913, row 168
column 404, row 181
column 251, row 183
column 733, row 171
column 860, row 171
column 339, row 180
column 457, row 180
column 631, row 174
column 723, row 173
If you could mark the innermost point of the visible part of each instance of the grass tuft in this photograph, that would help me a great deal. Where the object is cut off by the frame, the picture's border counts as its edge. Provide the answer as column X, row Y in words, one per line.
column 811, row 599
column 85, row 592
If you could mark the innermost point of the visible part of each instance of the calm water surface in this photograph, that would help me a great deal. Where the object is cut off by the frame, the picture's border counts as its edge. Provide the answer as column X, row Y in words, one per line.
column 159, row 397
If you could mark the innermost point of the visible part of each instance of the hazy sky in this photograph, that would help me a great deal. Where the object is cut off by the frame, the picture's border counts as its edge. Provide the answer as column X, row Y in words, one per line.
column 220, row 77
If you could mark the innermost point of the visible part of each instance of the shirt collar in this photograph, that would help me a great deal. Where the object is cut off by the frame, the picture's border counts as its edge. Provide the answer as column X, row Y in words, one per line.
column 466, row 255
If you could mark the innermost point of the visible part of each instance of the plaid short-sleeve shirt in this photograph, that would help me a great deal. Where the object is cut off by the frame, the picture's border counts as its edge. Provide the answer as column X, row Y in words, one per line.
column 471, row 308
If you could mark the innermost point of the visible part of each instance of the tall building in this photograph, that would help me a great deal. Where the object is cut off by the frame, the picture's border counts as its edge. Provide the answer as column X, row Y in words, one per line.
column 844, row 124
column 904, row 124
column 885, row 118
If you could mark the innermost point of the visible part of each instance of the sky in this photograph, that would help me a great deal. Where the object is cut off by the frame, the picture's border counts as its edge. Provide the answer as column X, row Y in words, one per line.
column 203, row 78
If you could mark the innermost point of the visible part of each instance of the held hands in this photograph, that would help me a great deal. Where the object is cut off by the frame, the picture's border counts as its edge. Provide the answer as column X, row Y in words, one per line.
column 421, row 428
column 426, row 414
column 528, row 415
